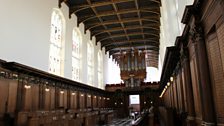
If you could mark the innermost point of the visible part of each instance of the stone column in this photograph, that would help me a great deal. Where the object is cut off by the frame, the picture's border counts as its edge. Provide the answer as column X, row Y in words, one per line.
column 208, row 113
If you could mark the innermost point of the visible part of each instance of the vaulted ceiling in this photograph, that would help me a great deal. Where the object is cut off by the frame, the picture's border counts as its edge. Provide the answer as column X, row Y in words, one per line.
column 121, row 25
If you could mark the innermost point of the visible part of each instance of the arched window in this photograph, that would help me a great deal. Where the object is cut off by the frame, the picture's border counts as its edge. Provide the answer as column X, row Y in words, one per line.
column 90, row 63
column 100, row 69
column 56, row 42
column 76, row 55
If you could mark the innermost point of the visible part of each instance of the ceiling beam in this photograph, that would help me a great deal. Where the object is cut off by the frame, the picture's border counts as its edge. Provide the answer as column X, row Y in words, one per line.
column 98, row 32
column 154, row 10
column 129, row 34
column 134, row 43
column 93, row 25
column 130, row 41
column 94, row 10
column 80, row 7
column 97, row 4
column 119, row 18
column 139, row 16
column 151, row 47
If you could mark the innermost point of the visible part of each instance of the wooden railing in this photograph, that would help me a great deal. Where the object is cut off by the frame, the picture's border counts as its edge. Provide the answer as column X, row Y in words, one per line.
column 33, row 97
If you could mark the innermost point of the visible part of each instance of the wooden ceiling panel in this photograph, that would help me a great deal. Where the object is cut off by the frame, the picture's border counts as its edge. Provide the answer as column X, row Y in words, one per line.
column 109, row 18
column 105, row 34
column 106, row 43
column 117, row 32
column 136, row 37
column 129, row 15
column 149, row 3
column 115, row 25
column 95, row 1
column 104, row 8
column 131, row 23
column 134, row 30
column 120, row 38
column 96, row 20
column 121, row 24
column 87, row 11
column 126, row 5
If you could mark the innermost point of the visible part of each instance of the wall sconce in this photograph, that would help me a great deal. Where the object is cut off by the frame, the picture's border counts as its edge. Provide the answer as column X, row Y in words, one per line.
column 73, row 93
column 89, row 96
column 94, row 96
column 171, row 79
column 82, row 95
column 144, row 102
column 62, row 92
column 168, row 83
column 108, row 98
column 27, row 86
column 47, row 89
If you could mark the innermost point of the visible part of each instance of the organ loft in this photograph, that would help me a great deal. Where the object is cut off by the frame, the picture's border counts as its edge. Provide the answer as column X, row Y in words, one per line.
column 112, row 63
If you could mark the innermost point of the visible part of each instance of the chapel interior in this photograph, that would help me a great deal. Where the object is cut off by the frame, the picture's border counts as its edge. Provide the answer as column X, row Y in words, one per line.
column 112, row 63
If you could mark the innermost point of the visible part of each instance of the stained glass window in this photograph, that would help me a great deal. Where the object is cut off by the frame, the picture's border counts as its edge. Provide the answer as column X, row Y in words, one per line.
column 55, row 56
column 76, row 55
column 90, row 63
column 100, row 70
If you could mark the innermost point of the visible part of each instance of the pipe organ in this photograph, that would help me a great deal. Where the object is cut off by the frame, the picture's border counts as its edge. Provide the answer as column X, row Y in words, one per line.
column 133, row 67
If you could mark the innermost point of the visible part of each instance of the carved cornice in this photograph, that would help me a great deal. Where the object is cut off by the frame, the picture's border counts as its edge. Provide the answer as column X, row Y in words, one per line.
column 187, row 14
column 170, row 61
column 8, row 75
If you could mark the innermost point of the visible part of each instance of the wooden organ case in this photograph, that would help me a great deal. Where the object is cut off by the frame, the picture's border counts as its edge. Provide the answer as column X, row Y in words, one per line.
column 133, row 67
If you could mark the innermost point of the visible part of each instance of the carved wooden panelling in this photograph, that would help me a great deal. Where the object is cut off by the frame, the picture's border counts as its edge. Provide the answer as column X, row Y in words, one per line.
column 216, row 67
column 197, row 99
column 4, row 87
column 35, row 97
column 220, row 35
column 184, row 89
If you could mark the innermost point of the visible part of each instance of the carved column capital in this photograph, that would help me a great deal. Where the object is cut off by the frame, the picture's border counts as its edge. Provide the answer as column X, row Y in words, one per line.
column 196, row 33
column 184, row 55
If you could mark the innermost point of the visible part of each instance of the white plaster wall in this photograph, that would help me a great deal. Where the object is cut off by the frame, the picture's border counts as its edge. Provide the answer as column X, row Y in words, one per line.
column 106, row 66
column 113, row 72
column 171, row 26
column 25, row 31
column 25, row 35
